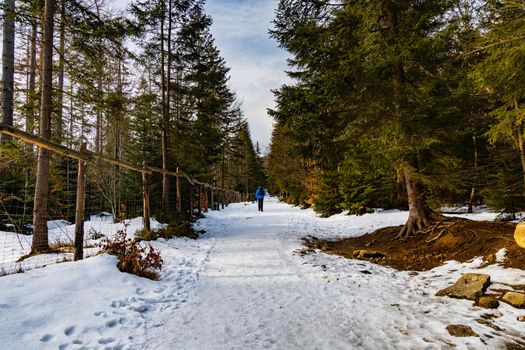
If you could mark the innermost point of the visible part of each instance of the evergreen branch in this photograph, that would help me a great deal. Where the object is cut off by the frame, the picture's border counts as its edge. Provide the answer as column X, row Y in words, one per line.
column 492, row 45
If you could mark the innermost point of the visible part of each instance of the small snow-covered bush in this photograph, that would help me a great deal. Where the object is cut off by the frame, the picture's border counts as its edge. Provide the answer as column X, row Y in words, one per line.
column 132, row 257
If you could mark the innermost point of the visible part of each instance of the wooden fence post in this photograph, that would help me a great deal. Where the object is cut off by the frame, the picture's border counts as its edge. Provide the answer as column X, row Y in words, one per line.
column 80, row 208
column 145, row 198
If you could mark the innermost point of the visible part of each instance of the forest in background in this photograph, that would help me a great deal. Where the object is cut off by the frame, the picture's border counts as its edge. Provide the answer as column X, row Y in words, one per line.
column 145, row 84
column 399, row 104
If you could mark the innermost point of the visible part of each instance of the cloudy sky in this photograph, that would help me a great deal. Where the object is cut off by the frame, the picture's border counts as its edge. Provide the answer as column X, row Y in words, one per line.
column 240, row 28
column 257, row 65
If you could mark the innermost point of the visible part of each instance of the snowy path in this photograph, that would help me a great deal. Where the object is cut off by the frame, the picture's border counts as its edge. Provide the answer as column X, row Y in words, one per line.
column 241, row 286
column 253, row 293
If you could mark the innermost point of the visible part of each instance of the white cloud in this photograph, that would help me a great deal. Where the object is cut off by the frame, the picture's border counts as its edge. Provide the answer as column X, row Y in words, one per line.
column 240, row 28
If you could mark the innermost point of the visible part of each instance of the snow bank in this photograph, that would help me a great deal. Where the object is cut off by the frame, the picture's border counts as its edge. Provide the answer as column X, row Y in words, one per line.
column 13, row 245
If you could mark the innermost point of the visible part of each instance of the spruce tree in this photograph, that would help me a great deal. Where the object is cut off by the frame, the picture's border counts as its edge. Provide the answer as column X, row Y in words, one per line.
column 376, row 72
column 501, row 71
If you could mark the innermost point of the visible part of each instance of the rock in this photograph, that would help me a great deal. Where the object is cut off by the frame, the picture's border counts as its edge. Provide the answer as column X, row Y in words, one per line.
column 469, row 286
column 460, row 330
column 519, row 234
column 521, row 318
column 488, row 302
column 363, row 253
column 515, row 299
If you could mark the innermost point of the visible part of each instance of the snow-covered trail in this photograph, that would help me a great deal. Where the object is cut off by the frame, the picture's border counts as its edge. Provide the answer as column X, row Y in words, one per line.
column 255, row 293
column 241, row 286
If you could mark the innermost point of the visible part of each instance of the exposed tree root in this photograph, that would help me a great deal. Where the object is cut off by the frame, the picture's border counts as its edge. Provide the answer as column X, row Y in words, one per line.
column 429, row 226
column 446, row 227
column 445, row 239
column 418, row 224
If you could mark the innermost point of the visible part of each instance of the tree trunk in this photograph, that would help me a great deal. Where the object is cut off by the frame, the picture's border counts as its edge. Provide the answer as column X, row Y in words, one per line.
column 522, row 150
column 117, row 117
column 179, row 199
column 199, row 208
column 420, row 215
column 473, row 192
column 61, row 63
column 223, row 171
column 146, row 199
column 8, row 64
column 31, row 91
column 71, row 115
column 190, row 192
column 40, row 237
column 401, row 197
column 98, row 106
column 80, row 208
column 165, row 116
column 98, row 126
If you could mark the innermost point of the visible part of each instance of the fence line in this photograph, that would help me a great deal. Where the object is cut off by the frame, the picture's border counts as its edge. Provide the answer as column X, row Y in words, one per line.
column 85, row 156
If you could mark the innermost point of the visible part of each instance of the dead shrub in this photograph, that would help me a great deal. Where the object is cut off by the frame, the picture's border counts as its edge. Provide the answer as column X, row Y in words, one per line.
column 133, row 258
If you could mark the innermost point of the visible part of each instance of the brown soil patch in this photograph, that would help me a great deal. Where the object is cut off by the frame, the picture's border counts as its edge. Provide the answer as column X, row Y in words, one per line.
column 454, row 239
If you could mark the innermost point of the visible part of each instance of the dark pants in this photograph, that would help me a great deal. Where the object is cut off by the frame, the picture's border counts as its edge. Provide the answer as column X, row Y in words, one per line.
column 260, row 202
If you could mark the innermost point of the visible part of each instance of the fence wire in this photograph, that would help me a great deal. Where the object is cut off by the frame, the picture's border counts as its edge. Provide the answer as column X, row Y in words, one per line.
column 113, row 202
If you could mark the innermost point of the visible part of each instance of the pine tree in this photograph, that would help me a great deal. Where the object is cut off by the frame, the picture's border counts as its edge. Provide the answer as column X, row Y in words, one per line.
column 388, row 62
column 502, row 73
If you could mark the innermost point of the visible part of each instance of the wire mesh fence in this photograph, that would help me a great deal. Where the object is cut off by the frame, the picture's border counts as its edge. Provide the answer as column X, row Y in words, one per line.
column 116, row 196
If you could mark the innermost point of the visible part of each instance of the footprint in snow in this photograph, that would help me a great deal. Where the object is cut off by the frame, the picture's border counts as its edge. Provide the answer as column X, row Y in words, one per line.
column 46, row 337
column 112, row 323
column 140, row 309
column 69, row 330
column 105, row 341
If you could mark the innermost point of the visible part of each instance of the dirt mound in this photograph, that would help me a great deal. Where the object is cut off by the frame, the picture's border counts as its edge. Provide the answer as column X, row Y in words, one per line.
column 452, row 239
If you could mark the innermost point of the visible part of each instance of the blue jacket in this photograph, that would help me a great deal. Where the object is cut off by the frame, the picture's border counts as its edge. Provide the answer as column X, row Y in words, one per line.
column 260, row 193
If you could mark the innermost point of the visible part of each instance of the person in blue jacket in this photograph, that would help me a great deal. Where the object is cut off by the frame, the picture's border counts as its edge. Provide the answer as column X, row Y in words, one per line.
column 259, row 194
